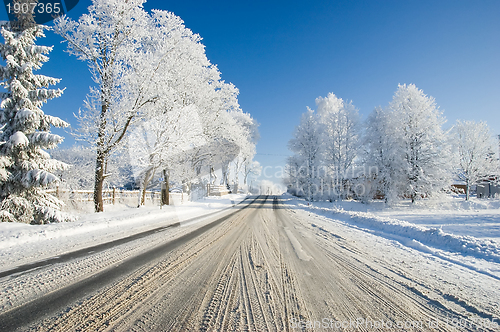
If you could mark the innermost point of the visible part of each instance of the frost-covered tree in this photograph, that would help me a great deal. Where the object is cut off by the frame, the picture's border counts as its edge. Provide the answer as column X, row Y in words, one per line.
column 341, row 130
column 473, row 146
column 326, row 145
column 421, row 142
column 160, row 142
column 382, row 156
column 251, row 168
column 27, row 167
column 131, row 54
column 305, row 165
column 80, row 175
column 109, row 39
column 245, row 135
column 405, row 148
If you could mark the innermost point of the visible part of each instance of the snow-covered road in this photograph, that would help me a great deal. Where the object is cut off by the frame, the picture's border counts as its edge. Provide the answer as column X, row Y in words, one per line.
column 270, row 266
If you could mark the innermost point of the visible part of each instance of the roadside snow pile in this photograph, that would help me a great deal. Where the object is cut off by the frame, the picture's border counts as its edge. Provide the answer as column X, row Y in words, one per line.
column 450, row 203
column 21, row 242
column 481, row 248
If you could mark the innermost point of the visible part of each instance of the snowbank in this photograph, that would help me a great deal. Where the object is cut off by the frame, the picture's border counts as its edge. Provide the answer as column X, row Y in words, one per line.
column 487, row 249
column 21, row 243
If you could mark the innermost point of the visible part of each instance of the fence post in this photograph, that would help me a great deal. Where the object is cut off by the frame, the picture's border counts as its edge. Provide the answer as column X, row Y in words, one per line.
column 114, row 195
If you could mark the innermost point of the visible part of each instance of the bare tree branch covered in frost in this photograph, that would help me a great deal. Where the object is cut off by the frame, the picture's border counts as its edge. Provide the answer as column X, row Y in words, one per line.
column 80, row 176
column 26, row 168
column 251, row 169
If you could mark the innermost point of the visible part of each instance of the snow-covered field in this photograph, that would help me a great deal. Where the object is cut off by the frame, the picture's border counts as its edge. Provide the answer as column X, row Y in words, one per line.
column 21, row 243
column 465, row 233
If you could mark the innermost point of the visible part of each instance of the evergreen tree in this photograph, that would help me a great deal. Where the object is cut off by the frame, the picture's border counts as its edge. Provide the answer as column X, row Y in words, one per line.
column 26, row 166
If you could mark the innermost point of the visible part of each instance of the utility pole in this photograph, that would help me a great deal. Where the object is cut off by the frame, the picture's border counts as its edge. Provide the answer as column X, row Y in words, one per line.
column 498, row 150
column 498, row 170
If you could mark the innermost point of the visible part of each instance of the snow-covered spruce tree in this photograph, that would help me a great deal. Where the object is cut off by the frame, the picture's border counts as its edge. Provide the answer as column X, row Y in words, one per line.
column 421, row 143
column 26, row 132
column 473, row 146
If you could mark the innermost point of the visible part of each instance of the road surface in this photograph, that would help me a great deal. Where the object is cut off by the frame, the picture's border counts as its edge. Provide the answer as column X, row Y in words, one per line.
column 257, row 267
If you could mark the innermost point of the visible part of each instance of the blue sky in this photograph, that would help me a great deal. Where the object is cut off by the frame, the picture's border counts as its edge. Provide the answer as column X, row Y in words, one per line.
column 283, row 55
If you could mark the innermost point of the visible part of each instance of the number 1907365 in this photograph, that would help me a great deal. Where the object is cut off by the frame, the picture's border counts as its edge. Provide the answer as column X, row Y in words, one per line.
column 34, row 8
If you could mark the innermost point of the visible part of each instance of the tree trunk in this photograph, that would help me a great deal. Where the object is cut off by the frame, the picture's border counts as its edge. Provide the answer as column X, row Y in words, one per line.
column 101, row 156
column 213, row 176
column 147, row 178
column 467, row 190
column 99, row 181
column 165, row 196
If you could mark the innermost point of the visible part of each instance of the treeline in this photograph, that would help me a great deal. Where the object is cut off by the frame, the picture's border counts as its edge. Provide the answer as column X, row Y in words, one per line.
column 401, row 151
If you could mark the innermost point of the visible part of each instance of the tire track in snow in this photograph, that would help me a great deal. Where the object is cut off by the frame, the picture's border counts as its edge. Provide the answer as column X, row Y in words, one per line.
column 87, row 284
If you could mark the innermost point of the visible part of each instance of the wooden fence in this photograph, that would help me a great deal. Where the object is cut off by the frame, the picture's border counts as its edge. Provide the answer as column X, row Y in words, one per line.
column 110, row 196
column 113, row 196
